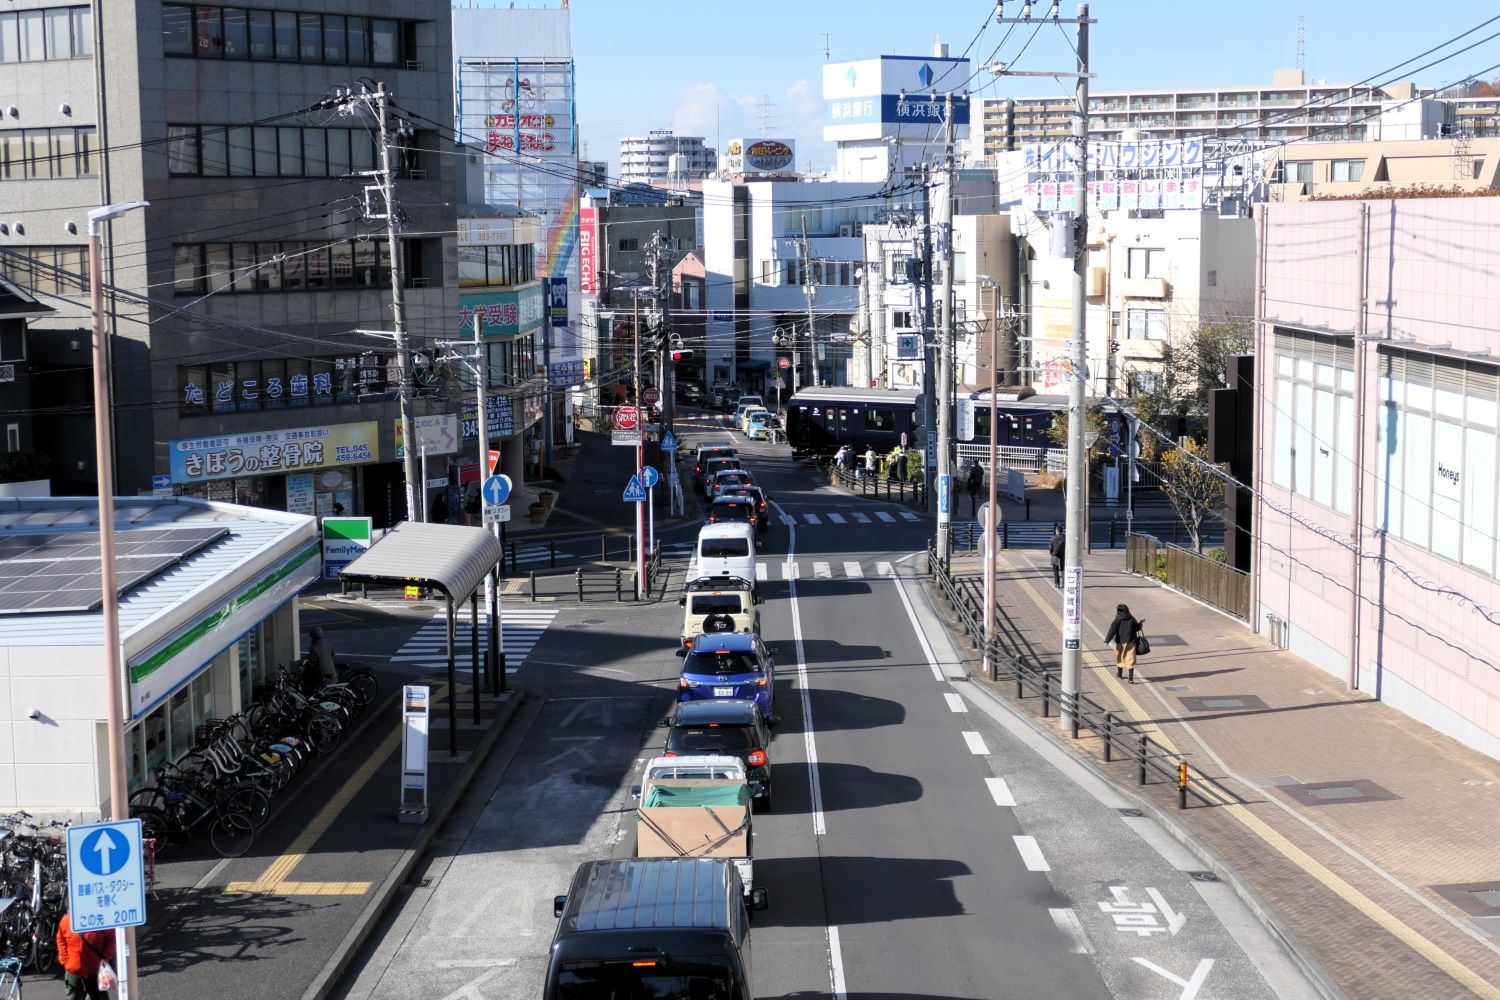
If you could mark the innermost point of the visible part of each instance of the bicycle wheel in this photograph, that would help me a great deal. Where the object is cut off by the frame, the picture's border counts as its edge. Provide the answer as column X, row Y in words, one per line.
column 10, row 985
column 19, row 931
column 363, row 683
column 231, row 834
column 323, row 733
column 154, row 823
column 246, row 798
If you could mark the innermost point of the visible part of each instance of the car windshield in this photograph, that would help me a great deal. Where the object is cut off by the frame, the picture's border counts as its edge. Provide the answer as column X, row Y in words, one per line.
column 721, row 662
column 678, row 977
column 716, row 604
column 723, row 465
column 731, row 512
column 724, row 738
column 720, row 548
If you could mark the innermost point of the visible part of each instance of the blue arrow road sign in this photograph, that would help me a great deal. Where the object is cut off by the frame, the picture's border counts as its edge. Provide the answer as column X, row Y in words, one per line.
column 106, row 876
column 495, row 490
column 650, row 476
column 669, row 443
column 634, row 492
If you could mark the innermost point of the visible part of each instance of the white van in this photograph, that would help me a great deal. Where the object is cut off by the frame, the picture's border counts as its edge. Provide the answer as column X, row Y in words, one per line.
column 726, row 549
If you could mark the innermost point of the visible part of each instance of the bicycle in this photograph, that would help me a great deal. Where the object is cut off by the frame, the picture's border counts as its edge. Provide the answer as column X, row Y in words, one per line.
column 174, row 813
column 10, row 978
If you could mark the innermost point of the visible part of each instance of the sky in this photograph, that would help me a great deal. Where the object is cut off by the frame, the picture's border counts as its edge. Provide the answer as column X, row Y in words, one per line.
column 718, row 69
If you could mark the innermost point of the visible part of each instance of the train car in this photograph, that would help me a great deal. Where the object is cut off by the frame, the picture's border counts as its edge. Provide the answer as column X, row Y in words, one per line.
column 820, row 421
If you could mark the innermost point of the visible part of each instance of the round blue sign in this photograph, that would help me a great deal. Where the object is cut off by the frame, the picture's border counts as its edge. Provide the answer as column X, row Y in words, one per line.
column 496, row 489
column 649, row 476
column 104, row 852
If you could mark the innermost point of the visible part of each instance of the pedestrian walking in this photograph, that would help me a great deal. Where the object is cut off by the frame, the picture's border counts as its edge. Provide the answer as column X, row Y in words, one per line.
column 1124, row 632
column 870, row 460
column 83, row 957
column 1059, row 549
column 895, row 465
column 976, row 481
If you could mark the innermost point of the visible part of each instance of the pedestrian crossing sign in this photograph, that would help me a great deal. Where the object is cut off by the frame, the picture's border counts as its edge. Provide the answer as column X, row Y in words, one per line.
column 634, row 491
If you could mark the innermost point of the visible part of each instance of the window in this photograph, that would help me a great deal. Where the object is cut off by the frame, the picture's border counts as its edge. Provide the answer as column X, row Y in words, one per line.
column 1314, row 418
column 286, row 36
column 53, row 269
column 42, row 153
column 246, row 268
column 630, row 246
column 51, row 33
column 1146, row 262
column 177, row 29
column 902, row 319
column 384, row 45
column 182, row 149
column 1146, row 324
column 208, row 32
column 236, row 33
column 31, row 36
column 880, row 420
column 1348, row 170
column 310, row 37
column 218, row 151
column 262, row 35
column 1296, row 171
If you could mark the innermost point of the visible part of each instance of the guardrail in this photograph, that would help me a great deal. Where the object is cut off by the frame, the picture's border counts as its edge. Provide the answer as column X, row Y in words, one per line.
column 1122, row 737
column 966, row 535
column 871, row 485
column 1215, row 583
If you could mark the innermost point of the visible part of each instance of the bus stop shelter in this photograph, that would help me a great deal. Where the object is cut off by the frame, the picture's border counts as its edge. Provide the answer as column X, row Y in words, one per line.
column 453, row 560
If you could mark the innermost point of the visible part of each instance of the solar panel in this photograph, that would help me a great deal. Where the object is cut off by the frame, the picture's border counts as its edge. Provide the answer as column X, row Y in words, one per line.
column 60, row 572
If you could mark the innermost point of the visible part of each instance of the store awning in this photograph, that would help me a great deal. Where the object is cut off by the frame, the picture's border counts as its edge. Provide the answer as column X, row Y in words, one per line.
column 449, row 557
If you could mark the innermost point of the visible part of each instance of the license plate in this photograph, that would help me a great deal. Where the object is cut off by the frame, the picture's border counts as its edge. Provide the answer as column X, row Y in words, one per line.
column 724, row 692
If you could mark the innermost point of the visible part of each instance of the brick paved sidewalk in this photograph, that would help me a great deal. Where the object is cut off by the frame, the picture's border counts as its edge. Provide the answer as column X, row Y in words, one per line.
column 1367, row 833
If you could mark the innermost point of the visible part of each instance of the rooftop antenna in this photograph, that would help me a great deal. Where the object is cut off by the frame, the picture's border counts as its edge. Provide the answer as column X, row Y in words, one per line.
column 1301, row 43
column 767, row 114
column 825, row 46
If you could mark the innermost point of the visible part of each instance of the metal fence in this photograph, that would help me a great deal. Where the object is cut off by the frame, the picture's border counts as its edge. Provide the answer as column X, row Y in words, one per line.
column 1215, row 583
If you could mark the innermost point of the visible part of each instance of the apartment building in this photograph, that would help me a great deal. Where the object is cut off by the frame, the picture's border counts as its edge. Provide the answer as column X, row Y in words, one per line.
column 1289, row 109
column 1303, row 170
column 659, row 157
column 236, row 297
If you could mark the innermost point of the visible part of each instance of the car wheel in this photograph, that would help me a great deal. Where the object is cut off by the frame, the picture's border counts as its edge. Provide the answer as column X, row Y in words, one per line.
column 765, row 799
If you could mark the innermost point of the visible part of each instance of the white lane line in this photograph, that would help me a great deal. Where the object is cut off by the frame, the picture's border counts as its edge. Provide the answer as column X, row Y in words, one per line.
column 916, row 628
column 836, row 518
column 788, row 520
column 812, row 519
column 884, row 569
column 1031, row 854
column 853, row 570
column 822, row 571
column 790, row 570
column 804, row 690
column 861, row 518
column 1067, row 922
column 887, row 518
column 836, row 966
column 909, row 516
column 976, row 744
column 760, row 571
column 955, row 703
column 1000, row 792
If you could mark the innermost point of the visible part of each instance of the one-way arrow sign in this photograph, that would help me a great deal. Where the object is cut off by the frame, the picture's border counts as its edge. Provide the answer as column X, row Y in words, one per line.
column 634, row 492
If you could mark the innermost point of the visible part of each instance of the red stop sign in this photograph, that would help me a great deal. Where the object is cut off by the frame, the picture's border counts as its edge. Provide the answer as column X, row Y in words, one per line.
column 651, row 396
column 784, row 363
column 626, row 418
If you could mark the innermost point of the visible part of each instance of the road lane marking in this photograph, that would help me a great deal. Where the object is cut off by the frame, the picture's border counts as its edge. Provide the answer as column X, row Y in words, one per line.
column 836, row 966
column 976, row 744
column 760, row 572
column 1000, row 792
column 1190, row 987
column 804, row 690
column 822, row 571
column 909, row 516
column 1067, row 921
column 788, row 520
column 1279, row 842
column 955, row 703
column 853, row 570
column 911, row 614
column 861, row 518
column 887, row 518
column 884, row 569
column 1031, row 854
column 812, row 519
column 790, row 570
column 836, row 518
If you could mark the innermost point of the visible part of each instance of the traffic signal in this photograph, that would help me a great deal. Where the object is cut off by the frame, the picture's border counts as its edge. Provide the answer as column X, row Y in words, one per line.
column 682, row 355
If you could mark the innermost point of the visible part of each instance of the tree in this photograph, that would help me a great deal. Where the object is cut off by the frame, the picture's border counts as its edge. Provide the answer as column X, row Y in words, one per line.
column 1192, row 486
column 1192, row 367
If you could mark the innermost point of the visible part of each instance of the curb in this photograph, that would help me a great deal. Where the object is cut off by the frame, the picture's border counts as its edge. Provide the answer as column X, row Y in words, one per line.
column 1222, row 870
column 327, row 979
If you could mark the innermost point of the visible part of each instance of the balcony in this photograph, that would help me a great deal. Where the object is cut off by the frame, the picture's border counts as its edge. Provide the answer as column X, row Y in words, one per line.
column 1144, row 288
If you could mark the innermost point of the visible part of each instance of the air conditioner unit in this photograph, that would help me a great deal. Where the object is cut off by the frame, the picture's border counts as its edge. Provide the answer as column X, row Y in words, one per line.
column 846, row 230
column 1096, row 281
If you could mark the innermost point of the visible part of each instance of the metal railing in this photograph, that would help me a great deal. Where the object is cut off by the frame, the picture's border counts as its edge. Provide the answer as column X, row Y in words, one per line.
column 1215, row 583
column 877, row 486
column 1121, row 736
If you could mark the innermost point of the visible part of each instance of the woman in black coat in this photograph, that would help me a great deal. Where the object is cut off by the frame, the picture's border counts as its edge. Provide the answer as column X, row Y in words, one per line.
column 1123, row 632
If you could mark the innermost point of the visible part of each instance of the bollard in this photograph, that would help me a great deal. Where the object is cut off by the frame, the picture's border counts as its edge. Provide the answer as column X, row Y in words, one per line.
column 1109, row 736
column 1020, row 687
column 1028, row 508
column 1182, row 780
column 552, row 552
column 1111, row 532
column 1046, row 681
column 533, row 586
column 1142, row 757
column 578, row 576
column 617, row 584
column 1005, row 534
column 603, row 547
column 1073, row 701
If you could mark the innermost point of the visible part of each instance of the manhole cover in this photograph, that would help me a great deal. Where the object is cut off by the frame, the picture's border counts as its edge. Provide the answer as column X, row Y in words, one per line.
column 1176, row 687
column 1224, row 702
column 1489, row 897
column 957, row 679
column 1318, row 793
column 1477, row 899
column 1336, row 792
column 1276, row 780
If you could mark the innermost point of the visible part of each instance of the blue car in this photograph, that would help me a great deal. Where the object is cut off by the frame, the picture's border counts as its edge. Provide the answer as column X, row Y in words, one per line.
column 728, row 665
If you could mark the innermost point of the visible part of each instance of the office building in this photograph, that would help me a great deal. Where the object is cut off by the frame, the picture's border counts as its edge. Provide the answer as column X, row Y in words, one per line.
column 659, row 157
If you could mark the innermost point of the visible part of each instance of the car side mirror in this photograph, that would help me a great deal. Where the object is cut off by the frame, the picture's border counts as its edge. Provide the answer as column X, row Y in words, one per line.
column 774, row 650
column 773, row 721
column 635, row 791
column 682, row 602
column 759, row 899
column 759, row 599
column 665, row 723
column 681, row 652
column 559, row 902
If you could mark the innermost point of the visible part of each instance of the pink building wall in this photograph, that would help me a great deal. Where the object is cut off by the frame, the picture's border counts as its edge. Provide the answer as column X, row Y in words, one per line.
column 1427, row 634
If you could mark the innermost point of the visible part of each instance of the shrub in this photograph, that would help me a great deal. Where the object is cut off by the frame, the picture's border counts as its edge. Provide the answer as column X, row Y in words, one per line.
column 1161, row 566
column 1217, row 556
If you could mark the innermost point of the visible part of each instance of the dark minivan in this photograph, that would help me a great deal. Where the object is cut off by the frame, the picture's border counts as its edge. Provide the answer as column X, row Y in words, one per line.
column 669, row 928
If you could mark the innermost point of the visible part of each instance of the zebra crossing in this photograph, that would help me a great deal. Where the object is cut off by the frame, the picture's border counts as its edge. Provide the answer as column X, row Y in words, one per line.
column 521, row 628
column 811, row 519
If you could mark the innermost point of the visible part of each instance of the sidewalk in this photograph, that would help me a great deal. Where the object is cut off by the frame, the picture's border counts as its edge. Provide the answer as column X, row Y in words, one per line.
column 1371, row 837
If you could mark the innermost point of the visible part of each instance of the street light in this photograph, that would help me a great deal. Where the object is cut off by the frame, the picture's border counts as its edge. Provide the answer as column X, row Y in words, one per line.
column 114, row 703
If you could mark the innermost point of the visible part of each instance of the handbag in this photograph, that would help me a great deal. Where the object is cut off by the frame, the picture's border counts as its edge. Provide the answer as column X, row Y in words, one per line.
column 1142, row 645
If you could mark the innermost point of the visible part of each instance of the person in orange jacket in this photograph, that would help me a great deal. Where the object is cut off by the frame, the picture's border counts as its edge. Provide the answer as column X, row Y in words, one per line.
column 80, row 955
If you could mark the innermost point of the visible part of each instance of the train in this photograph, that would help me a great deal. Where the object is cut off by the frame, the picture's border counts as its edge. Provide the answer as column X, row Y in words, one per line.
column 821, row 420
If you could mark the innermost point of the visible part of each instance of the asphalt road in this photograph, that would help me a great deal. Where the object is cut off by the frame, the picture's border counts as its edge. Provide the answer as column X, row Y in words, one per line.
column 926, row 842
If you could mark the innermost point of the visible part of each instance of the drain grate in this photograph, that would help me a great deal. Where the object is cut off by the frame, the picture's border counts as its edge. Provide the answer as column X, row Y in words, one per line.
column 1276, row 780
column 958, row 678
column 1176, row 688
column 1132, row 813
column 1203, row 876
column 418, row 883
column 1322, row 793
column 1224, row 702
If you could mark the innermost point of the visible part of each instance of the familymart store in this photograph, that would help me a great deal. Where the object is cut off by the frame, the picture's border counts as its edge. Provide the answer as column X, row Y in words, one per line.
column 207, row 611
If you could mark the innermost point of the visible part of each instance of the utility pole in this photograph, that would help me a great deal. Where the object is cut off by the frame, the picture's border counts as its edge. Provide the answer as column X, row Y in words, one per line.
column 992, row 511
column 865, row 273
column 877, row 315
column 381, row 100
column 945, row 350
column 640, row 453
column 810, row 289
column 929, row 375
column 496, row 658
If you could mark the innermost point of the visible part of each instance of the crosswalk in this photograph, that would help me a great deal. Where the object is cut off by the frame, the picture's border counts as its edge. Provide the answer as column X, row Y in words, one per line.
column 812, row 519
column 793, row 569
column 522, row 628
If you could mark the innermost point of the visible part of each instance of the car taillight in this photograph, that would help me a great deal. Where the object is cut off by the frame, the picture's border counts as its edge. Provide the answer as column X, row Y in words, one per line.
column 757, row 758
column 683, row 682
column 764, row 680
column 670, row 753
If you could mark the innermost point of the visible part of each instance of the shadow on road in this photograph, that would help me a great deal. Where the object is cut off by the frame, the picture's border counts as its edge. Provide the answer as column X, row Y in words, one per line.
column 871, row 890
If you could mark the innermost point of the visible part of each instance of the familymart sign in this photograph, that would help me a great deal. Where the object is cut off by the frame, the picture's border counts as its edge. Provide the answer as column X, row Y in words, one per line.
column 345, row 539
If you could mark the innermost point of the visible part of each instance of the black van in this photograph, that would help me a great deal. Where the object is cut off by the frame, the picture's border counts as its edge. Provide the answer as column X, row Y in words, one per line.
column 670, row 928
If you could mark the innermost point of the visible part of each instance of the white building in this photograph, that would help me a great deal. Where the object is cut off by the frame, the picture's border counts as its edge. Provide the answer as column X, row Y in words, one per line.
column 659, row 157
column 887, row 114
column 200, row 627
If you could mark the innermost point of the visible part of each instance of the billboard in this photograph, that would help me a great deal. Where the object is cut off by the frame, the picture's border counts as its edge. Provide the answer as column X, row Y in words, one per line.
column 883, row 98
column 588, row 251
column 274, row 452
column 760, row 156
column 502, row 314
column 1138, row 174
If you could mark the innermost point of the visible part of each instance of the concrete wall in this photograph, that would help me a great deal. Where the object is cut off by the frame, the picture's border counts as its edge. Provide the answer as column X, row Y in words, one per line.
column 52, row 762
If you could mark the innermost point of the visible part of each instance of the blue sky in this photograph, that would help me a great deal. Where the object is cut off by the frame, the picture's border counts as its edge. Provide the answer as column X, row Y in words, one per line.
column 706, row 66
